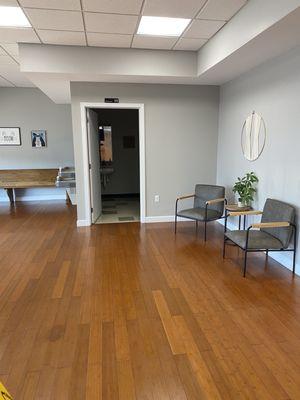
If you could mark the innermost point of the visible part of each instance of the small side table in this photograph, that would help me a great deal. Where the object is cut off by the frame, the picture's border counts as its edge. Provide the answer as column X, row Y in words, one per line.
column 236, row 208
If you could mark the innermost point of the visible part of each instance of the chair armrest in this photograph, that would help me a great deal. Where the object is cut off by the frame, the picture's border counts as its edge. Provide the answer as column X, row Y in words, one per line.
column 213, row 201
column 185, row 197
column 270, row 225
column 240, row 213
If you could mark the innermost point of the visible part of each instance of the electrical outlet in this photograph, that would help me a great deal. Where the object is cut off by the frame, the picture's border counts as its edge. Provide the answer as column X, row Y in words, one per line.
column 156, row 198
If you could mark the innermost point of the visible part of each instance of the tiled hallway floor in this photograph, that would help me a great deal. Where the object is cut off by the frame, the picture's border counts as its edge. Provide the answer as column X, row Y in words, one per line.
column 119, row 209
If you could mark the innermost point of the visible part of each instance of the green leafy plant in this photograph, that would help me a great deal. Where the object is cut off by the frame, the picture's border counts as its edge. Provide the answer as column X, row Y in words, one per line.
column 244, row 187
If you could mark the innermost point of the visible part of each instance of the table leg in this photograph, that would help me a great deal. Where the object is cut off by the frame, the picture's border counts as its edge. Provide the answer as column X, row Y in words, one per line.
column 245, row 222
column 68, row 200
column 240, row 222
column 10, row 194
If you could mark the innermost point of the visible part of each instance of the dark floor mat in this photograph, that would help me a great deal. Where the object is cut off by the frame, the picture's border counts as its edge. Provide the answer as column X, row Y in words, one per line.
column 126, row 219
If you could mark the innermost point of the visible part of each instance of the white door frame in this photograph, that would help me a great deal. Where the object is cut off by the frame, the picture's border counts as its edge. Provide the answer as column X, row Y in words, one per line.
column 85, row 153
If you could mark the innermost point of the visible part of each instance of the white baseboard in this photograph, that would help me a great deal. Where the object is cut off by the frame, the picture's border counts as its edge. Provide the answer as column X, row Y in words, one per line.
column 284, row 258
column 36, row 198
column 83, row 222
column 165, row 218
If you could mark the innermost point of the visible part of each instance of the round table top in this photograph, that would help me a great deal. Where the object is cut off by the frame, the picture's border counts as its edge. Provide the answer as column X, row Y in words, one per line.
column 235, row 207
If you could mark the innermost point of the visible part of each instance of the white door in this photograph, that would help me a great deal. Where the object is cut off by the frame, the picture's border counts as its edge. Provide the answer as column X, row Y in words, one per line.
column 94, row 159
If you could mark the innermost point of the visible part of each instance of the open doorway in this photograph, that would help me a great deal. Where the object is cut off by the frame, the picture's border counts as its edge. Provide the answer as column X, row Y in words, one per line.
column 114, row 158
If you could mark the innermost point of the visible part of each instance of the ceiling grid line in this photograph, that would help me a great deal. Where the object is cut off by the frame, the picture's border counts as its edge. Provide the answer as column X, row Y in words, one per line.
column 10, row 55
column 84, row 25
column 79, row 11
column 186, row 29
column 29, row 21
column 7, row 80
column 138, row 22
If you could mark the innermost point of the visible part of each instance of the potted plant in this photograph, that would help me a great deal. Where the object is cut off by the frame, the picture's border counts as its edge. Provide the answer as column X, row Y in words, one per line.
column 245, row 189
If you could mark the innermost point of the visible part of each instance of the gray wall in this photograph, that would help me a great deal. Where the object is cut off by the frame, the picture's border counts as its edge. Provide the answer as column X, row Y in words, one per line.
column 181, row 124
column 30, row 109
column 125, row 178
column 273, row 90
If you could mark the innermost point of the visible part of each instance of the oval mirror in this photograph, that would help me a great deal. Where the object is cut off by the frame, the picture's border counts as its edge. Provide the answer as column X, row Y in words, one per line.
column 253, row 136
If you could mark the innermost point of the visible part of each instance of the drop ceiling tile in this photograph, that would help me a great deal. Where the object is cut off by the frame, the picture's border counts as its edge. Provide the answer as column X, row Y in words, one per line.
column 9, row 68
column 21, row 35
column 2, row 52
column 108, row 40
column 189, row 44
column 11, row 48
column 52, row 4
column 5, row 83
column 203, row 29
column 110, row 23
column 113, row 6
column 12, row 73
column 62, row 37
column 153, row 42
column 55, row 19
column 6, row 60
column 172, row 8
column 221, row 10
column 9, row 3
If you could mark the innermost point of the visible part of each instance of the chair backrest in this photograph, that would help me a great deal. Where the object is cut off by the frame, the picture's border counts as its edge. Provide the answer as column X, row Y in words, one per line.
column 278, row 211
column 203, row 193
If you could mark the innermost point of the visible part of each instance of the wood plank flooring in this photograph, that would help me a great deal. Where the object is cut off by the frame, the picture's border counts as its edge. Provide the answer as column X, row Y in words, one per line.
column 132, row 312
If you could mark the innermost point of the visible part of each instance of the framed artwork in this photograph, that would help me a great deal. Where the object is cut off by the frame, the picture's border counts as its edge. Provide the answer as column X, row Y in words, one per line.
column 10, row 136
column 39, row 138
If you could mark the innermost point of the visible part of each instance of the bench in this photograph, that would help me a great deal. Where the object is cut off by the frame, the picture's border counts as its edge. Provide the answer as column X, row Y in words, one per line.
column 11, row 179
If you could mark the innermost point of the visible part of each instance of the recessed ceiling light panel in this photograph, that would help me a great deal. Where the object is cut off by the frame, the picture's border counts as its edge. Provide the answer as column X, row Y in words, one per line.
column 162, row 26
column 13, row 17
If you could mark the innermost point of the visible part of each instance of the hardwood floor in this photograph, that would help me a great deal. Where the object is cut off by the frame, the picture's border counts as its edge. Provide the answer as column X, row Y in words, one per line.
column 132, row 312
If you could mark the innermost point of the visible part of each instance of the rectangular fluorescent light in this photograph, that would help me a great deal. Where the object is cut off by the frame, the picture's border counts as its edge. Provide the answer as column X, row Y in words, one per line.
column 13, row 17
column 162, row 26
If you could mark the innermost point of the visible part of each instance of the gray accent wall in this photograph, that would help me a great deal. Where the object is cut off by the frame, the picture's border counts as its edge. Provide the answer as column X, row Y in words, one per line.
column 272, row 90
column 30, row 109
column 181, row 124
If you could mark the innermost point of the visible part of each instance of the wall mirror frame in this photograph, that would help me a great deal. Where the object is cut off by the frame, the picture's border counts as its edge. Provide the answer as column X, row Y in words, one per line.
column 106, row 148
column 253, row 137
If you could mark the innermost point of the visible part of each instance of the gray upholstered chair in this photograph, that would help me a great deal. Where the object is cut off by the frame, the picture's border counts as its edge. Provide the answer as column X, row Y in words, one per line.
column 208, row 205
column 274, row 232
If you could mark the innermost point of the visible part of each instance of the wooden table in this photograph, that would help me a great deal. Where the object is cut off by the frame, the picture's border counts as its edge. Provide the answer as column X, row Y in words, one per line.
column 11, row 179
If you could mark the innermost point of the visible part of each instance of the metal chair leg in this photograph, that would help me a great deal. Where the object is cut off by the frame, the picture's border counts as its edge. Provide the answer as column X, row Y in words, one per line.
column 224, row 247
column 175, row 224
column 267, row 255
column 196, row 226
column 245, row 264
column 295, row 246
column 205, row 222
column 294, row 261
column 246, row 251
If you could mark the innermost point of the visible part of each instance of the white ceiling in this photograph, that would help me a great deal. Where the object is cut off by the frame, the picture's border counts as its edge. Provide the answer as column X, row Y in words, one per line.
column 108, row 23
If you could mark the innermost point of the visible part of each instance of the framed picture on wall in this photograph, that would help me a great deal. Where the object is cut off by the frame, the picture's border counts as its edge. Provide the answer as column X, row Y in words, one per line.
column 10, row 136
column 39, row 138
